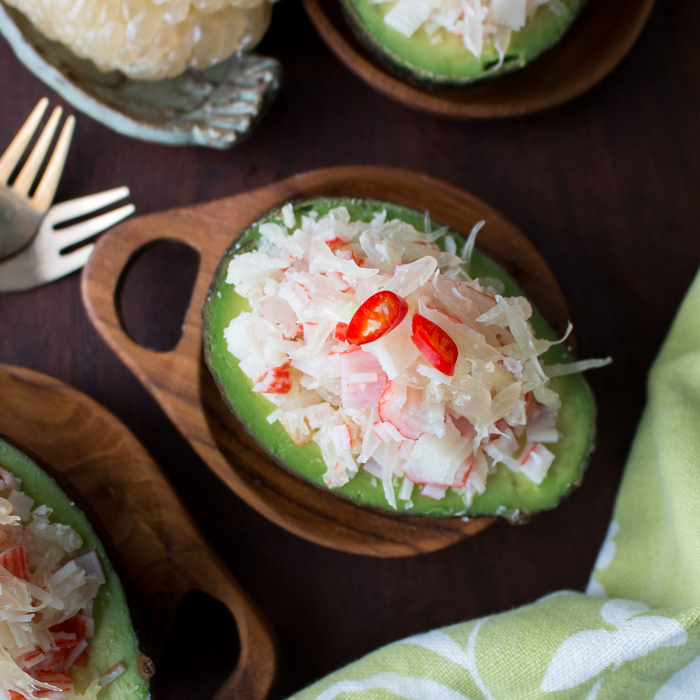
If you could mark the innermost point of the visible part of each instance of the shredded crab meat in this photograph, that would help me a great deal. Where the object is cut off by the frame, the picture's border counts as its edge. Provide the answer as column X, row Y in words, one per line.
column 383, row 406
column 477, row 22
column 46, row 597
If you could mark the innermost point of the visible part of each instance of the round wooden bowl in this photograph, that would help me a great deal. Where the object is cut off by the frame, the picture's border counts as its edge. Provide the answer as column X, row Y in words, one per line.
column 162, row 550
column 596, row 42
column 183, row 386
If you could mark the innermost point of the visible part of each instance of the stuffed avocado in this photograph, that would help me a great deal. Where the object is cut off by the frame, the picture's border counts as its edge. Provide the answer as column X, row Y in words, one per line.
column 80, row 642
column 314, row 427
column 456, row 42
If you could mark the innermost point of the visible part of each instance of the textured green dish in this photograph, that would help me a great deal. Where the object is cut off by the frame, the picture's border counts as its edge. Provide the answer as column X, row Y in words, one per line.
column 217, row 107
column 449, row 62
column 114, row 639
column 507, row 494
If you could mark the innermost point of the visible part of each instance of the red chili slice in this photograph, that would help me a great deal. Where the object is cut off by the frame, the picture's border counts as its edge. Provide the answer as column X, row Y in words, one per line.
column 340, row 332
column 381, row 313
column 436, row 346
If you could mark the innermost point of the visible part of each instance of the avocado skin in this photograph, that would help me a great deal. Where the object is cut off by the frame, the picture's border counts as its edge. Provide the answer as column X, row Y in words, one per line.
column 508, row 495
column 115, row 639
column 450, row 64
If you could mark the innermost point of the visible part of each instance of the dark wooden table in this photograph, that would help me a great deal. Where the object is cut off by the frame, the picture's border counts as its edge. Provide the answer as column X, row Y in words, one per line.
column 607, row 187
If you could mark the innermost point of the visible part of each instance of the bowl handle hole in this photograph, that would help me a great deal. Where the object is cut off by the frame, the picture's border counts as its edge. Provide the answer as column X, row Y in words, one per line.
column 201, row 651
column 154, row 292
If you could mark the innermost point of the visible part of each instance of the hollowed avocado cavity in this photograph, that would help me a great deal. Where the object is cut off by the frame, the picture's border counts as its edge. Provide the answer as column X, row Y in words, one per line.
column 508, row 494
column 442, row 59
column 114, row 640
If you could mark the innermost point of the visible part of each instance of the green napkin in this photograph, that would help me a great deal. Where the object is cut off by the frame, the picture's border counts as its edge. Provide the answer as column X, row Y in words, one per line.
column 636, row 631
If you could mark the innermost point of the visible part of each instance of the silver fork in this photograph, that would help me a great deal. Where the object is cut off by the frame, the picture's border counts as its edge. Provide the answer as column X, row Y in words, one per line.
column 42, row 261
column 20, row 215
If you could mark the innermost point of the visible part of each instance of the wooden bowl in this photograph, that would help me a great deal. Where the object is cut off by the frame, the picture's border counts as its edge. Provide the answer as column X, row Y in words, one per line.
column 161, row 548
column 183, row 386
column 596, row 42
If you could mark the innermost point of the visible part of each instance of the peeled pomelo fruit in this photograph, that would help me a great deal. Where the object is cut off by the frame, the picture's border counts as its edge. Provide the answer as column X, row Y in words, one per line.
column 151, row 39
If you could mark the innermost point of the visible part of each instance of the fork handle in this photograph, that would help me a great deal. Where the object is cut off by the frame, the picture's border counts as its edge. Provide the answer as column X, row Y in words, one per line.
column 19, row 223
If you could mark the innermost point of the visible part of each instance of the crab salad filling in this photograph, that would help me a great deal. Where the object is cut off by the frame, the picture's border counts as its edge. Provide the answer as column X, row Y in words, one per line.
column 376, row 344
column 46, row 601
column 478, row 22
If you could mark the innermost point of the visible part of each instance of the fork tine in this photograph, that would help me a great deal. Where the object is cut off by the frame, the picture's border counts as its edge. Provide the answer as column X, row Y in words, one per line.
column 46, row 188
column 65, row 264
column 15, row 150
column 65, row 211
column 26, row 176
column 80, row 232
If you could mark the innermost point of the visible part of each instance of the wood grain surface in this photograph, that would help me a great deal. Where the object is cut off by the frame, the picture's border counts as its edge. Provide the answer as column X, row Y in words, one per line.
column 605, row 186
column 182, row 384
column 597, row 41
column 164, row 554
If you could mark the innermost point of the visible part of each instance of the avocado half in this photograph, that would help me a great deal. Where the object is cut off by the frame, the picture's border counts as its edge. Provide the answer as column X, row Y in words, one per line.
column 509, row 495
column 448, row 63
column 115, row 640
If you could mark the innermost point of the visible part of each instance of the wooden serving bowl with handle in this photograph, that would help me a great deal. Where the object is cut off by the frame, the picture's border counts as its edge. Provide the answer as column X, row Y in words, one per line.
column 594, row 45
column 164, row 553
column 183, row 386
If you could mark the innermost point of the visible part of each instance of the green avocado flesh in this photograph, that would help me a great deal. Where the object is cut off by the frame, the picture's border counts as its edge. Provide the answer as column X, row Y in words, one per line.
column 507, row 494
column 448, row 62
column 114, row 640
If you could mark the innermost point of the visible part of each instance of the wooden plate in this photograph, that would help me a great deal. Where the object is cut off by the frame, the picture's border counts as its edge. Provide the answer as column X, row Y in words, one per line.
column 181, row 383
column 597, row 41
column 161, row 548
